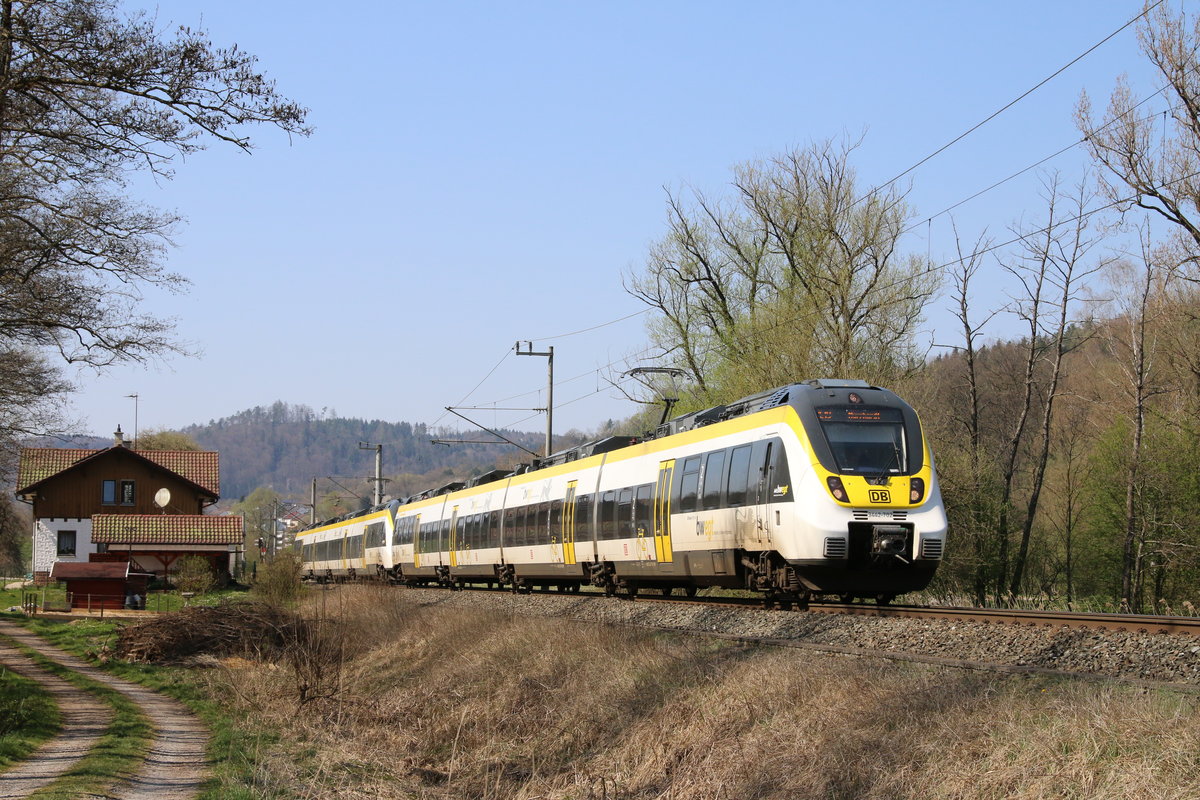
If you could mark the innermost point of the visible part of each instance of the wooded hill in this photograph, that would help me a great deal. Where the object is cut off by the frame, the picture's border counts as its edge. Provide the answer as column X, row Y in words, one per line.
column 285, row 446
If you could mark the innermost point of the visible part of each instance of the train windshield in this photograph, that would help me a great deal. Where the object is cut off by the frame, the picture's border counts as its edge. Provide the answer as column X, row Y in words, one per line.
column 865, row 440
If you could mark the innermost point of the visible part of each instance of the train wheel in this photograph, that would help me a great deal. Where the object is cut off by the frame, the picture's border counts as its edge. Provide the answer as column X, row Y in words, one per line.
column 846, row 598
column 690, row 591
column 884, row 599
column 666, row 591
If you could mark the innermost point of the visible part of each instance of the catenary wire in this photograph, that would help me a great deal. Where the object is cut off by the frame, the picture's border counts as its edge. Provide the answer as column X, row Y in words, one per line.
column 1010, row 104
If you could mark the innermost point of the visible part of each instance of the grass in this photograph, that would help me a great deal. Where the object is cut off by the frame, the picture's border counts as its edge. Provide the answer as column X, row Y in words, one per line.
column 28, row 717
column 439, row 703
column 419, row 701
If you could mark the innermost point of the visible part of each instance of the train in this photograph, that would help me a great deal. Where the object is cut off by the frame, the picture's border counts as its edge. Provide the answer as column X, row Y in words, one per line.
column 814, row 490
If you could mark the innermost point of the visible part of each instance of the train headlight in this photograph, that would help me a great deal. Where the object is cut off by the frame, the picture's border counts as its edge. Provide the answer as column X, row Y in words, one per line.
column 916, row 490
column 836, row 489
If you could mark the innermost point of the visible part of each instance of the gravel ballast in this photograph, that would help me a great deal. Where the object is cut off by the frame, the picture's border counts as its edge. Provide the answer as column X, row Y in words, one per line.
column 1119, row 654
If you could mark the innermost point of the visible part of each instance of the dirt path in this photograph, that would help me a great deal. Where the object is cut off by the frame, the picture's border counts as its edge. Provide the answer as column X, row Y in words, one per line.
column 84, row 719
column 176, row 765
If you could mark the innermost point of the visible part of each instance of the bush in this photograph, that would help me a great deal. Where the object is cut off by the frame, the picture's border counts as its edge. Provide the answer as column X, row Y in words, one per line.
column 195, row 575
column 278, row 581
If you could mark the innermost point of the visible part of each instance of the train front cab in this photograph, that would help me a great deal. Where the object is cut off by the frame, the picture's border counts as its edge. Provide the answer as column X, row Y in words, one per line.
column 873, row 524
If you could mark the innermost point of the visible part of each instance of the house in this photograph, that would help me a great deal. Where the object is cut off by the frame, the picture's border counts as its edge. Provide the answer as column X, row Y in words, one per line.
column 145, row 507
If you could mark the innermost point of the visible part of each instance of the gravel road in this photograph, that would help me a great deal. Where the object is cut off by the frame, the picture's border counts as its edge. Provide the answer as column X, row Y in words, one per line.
column 176, row 765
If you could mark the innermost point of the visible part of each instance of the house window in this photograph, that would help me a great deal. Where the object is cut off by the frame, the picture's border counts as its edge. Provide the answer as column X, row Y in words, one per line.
column 126, row 493
column 108, row 493
column 66, row 543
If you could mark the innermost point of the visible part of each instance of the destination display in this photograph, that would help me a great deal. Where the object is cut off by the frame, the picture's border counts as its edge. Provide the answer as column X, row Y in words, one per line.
column 858, row 414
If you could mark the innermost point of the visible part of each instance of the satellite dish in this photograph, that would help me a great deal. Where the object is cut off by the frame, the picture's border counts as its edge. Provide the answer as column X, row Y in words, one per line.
column 162, row 497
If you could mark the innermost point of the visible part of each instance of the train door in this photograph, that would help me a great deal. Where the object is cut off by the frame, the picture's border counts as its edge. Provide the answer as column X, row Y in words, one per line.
column 662, row 513
column 568, row 524
column 415, row 522
column 453, row 538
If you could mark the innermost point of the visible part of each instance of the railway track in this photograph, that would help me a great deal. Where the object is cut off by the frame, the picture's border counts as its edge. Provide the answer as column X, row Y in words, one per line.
column 1137, row 623
column 1154, row 652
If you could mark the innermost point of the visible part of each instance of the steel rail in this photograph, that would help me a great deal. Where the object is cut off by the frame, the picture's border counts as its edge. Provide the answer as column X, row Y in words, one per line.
column 1139, row 623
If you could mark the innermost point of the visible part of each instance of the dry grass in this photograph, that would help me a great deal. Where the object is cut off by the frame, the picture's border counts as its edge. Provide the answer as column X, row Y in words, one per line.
column 432, row 703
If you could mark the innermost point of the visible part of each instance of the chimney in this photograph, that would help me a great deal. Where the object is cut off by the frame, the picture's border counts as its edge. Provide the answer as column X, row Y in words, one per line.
column 118, row 438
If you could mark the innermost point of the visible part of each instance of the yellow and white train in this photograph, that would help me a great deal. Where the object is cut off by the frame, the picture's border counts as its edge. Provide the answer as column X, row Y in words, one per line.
column 818, row 488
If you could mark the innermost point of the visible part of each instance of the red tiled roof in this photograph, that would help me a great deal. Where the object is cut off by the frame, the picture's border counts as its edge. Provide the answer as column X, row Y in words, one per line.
column 39, row 463
column 166, row 529
column 83, row 569
column 201, row 467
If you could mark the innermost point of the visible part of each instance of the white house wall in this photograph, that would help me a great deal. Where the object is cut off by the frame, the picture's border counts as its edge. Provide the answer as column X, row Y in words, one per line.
column 45, row 541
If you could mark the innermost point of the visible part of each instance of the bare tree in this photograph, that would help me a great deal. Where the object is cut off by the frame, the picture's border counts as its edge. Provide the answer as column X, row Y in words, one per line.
column 1137, row 347
column 1057, row 258
column 88, row 96
column 1153, row 160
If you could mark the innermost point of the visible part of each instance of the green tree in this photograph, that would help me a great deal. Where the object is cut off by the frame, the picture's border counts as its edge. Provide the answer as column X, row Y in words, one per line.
column 258, row 511
column 798, row 275
column 89, row 95
column 163, row 439
column 194, row 574
column 14, row 532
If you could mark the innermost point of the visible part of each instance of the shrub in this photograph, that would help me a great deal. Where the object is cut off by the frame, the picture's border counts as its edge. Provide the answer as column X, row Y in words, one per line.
column 278, row 581
column 194, row 575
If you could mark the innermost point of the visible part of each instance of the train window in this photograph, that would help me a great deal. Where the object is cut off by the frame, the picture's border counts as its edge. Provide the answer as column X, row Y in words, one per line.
column 864, row 439
column 641, row 510
column 514, row 528
column 760, row 472
column 556, row 509
column 689, row 485
column 739, row 471
column 608, row 515
column 375, row 535
column 625, row 514
column 583, row 518
column 714, row 464
column 541, row 532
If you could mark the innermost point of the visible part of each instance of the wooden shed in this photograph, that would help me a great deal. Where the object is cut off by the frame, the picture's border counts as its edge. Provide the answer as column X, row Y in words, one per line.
column 106, row 584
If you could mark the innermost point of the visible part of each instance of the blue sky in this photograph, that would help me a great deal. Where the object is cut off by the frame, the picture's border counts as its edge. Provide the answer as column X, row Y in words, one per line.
column 483, row 172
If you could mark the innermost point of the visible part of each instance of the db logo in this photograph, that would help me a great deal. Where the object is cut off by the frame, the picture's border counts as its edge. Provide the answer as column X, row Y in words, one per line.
column 880, row 496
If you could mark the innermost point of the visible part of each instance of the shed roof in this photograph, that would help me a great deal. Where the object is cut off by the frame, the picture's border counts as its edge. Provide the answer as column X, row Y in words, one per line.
column 63, row 570
column 201, row 467
column 166, row 529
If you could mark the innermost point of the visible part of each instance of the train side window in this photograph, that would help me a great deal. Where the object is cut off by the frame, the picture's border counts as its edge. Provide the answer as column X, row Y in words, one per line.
column 556, row 509
column 494, row 529
column 760, row 472
column 689, row 485
column 608, row 515
column 518, row 528
column 739, row 471
column 542, row 531
column 583, row 518
column 625, row 514
column 641, row 510
column 714, row 465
